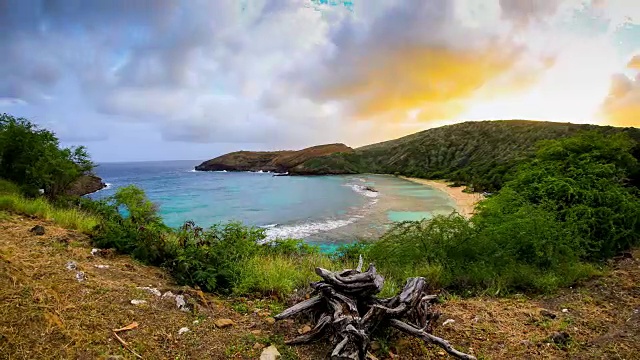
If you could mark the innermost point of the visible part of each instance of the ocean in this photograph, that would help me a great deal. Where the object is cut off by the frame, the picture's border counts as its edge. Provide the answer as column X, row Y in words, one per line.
column 325, row 210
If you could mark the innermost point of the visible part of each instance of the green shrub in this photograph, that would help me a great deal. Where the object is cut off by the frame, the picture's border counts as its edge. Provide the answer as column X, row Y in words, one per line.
column 8, row 187
column 32, row 158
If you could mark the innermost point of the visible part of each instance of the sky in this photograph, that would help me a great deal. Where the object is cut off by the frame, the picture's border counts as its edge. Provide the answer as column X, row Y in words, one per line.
column 137, row 80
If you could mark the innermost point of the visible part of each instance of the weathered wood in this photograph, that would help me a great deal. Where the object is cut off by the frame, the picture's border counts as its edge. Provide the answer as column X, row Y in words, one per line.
column 444, row 344
column 299, row 307
column 347, row 309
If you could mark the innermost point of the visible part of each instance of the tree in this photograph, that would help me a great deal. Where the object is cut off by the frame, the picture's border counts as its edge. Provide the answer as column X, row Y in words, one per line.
column 32, row 157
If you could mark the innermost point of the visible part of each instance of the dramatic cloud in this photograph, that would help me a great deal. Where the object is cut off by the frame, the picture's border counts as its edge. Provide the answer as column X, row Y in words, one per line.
column 622, row 106
column 200, row 77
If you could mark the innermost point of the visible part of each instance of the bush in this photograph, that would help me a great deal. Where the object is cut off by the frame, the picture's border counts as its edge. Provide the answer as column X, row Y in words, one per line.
column 32, row 158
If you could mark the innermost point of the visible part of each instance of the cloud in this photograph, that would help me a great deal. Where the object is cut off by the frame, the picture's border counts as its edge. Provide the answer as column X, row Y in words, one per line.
column 525, row 11
column 292, row 72
column 622, row 106
column 430, row 55
column 634, row 63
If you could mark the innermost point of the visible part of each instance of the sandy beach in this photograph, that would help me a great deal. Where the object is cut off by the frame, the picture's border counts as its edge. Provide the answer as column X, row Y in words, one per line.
column 465, row 202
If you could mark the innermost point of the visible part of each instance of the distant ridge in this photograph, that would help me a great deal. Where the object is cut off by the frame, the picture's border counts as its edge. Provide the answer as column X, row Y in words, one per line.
column 274, row 161
column 477, row 153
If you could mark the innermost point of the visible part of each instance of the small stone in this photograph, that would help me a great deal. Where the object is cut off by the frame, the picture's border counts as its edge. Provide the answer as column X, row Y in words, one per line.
column 256, row 332
column 71, row 265
column 565, row 310
column 95, row 251
column 101, row 266
column 257, row 346
column 181, row 304
column 269, row 353
column 526, row 343
column 150, row 290
column 375, row 346
column 37, row 230
column 560, row 338
column 196, row 322
column 168, row 295
column 548, row 314
column 223, row 323
column 80, row 276
column 305, row 329
column 138, row 302
column 448, row 321
column 270, row 320
column 183, row 330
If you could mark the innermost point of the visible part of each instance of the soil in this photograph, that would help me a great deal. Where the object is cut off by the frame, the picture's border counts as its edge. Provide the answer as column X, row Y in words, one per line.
column 48, row 314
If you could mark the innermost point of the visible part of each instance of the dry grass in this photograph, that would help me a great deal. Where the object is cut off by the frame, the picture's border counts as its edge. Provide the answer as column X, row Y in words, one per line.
column 47, row 314
column 602, row 318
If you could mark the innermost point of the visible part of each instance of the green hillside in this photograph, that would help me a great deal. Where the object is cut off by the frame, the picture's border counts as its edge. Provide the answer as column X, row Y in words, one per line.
column 478, row 153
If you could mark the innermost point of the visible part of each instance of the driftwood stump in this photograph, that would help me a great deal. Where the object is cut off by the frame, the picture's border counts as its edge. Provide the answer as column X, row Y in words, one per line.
column 345, row 308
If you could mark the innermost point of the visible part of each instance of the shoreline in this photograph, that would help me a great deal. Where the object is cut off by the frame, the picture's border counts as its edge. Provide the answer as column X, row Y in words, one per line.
column 464, row 202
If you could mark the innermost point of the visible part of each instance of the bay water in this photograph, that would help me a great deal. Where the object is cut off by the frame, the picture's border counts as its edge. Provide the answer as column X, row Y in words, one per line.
column 325, row 210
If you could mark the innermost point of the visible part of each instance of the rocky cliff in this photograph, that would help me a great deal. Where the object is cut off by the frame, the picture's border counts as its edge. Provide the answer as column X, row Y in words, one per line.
column 275, row 161
column 86, row 184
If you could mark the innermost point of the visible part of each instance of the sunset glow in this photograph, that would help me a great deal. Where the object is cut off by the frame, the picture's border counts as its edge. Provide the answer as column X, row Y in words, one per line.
column 265, row 74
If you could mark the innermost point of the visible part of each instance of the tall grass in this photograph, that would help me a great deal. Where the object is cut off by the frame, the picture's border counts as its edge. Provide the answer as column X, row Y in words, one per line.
column 68, row 218
column 280, row 274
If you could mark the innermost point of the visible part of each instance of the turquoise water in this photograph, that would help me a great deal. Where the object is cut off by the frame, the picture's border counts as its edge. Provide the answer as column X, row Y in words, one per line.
column 327, row 210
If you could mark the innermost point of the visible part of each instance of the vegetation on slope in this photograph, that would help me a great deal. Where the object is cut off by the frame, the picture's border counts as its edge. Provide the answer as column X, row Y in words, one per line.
column 550, row 226
column 562, row 212
column 480, row 154
column 276, row 161
column 32, row 158
column 47, row 313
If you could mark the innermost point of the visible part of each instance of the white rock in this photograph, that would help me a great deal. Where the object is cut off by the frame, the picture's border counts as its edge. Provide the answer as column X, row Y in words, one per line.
column 94, row 251
column 448, row 321
column 565, row 310
column 269, row 353
column 101, row 266
column 183, row 330
column 80, row 276
column 71, row 265
column 181, row 304
column 196, row 322
column 138, row 302
column 150, row 290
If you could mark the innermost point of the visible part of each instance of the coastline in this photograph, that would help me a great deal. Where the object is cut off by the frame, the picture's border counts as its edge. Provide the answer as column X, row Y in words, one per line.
column 465, row 202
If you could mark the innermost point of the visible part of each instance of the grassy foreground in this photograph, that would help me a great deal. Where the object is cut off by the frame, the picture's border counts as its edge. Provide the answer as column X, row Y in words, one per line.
column 48, row 314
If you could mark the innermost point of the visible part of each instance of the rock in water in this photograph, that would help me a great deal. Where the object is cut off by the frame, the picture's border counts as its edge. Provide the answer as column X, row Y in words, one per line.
column 85, row 184
column 37, row 230
column 269, row 353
